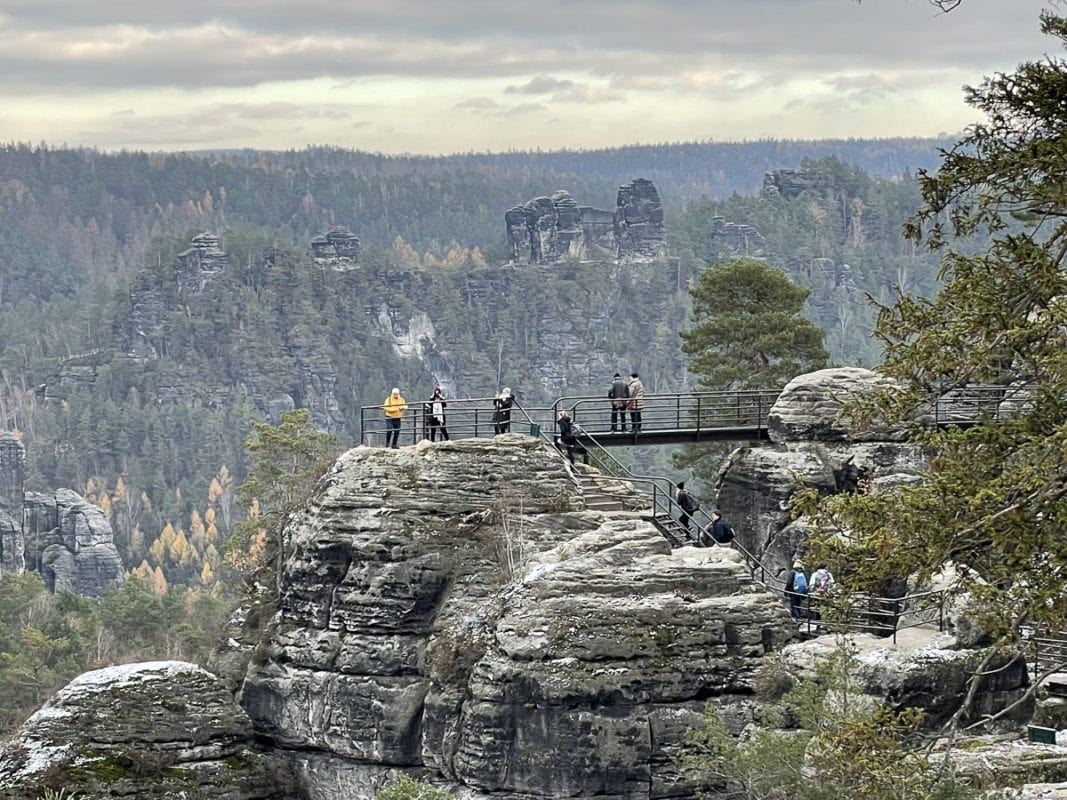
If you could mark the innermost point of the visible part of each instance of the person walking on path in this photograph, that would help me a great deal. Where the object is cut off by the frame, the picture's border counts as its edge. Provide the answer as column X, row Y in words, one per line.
column 619, row 393
column 721, row 530
column 394, row 411
column 796, row 589
column 502, row 414
column 636, row 402
column 687, row 502
column 819, row 586
column 434, row 409
column 568, row 438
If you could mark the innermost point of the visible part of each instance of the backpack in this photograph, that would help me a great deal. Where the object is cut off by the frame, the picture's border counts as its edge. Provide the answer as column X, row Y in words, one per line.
column 800, row 583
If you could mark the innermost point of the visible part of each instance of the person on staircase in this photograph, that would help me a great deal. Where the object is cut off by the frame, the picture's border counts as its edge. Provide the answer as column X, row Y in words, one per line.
column 636, row 401
column 721, row 530
column 394, row 406
column 688, row 504
column 567, row 441
column 502, row 413
column 619, row 394
column 796, row 589
column 434, row 409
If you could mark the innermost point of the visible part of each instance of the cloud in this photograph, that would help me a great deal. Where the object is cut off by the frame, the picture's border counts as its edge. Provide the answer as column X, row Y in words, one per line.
column 589, row 95
column 540, row 84
column 479, row 104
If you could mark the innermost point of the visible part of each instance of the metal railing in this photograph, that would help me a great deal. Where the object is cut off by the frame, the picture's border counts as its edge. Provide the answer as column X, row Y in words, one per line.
column 466, row 418
column 867, row 613
column 695, row 412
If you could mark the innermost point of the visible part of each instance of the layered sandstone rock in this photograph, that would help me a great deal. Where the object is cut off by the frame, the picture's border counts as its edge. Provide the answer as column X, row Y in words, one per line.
column 453, row 607
column 813, row 444
column 166, row 730
column 70, row 542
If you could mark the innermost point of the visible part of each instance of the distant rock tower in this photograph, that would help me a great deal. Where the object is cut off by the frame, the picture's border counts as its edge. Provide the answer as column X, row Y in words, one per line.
column 338, row 249
column 639, row 229
column 12, row 476
column 196, row 266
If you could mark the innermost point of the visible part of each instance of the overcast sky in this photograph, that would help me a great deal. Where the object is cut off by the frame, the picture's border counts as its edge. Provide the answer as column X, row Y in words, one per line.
column 443, row 76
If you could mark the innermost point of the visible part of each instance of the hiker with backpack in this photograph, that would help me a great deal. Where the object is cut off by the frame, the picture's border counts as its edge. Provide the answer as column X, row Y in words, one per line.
column 567, row 441
column 796, row 589
column 721, row 530
column 619, row 393
column 687, row 502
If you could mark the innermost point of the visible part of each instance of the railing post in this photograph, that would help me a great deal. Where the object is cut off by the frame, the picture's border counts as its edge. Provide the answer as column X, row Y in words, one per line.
column 678, row 412
column 476, row 423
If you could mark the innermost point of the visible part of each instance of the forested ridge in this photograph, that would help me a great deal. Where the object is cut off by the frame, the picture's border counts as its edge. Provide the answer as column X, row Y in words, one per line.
column 145, row 411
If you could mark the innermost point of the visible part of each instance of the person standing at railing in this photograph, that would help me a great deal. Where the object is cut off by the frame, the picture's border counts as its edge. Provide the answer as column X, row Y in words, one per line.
column 567, row 441
column 619, row 393
column 434, row 409
column 502, row 413
column 687, row 502
column 394, row 406
column 822, row 581
column 636, row 402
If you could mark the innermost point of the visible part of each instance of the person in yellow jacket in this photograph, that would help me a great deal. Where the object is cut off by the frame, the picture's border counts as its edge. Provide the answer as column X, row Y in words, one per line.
column 394, row 410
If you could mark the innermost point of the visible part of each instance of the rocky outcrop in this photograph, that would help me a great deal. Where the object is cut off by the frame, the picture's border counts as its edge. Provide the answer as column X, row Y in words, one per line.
column 815, row 445
column 730, row 240
column 639, row 230
column 62, row 536
column 70, row 542
column 197, row 265
column 453, row 607
column 177, row 734
column 12, row 476
column 337, row 249
column 546, row 230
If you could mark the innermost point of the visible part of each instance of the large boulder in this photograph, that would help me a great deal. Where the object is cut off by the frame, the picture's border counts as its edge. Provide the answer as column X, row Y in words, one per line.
column 810, row 407
column 166, row 729
column 454, row 607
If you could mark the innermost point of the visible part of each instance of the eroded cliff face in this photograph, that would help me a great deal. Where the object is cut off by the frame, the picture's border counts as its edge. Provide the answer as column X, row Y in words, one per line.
column 452, row 607
column 812, row 444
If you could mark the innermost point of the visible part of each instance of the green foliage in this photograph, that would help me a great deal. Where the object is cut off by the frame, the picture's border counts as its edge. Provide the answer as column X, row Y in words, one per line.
column 994, row 499
column 747, row 330
column 747, row 333
column 407, row 788
column 841, row 744
column 288, row 460
column 47, row 640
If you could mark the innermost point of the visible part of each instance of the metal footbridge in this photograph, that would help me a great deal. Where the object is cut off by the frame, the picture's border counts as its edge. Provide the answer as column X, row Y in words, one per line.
column 663, row 419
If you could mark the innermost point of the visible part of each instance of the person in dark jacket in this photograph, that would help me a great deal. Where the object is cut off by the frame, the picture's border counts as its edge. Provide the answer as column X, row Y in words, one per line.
column 619, row 393
column 434, row 410
column 502, row 413
column 636, row 401
column 721, row 530
column 567, row 442
column 687, row 503
column 796, row 589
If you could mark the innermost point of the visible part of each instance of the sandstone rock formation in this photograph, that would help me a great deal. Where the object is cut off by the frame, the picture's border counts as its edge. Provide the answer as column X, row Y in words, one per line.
column 197, row 265
column 167, row 730
column 337, row 249
column 70, row 542
column 813, row 443
column 639, row 227
column 546, row 230
column 731, row 240
column 62, row 536
column 452, row 607
column 12, row 475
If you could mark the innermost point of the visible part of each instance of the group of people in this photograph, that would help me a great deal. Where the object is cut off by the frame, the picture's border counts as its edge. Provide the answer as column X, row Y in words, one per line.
column 434, row 414
column 804, row 590
column 626, row 396
column 721, row 531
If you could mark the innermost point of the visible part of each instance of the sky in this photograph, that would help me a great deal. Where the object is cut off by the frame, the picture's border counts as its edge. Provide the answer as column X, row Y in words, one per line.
column 447, row 76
